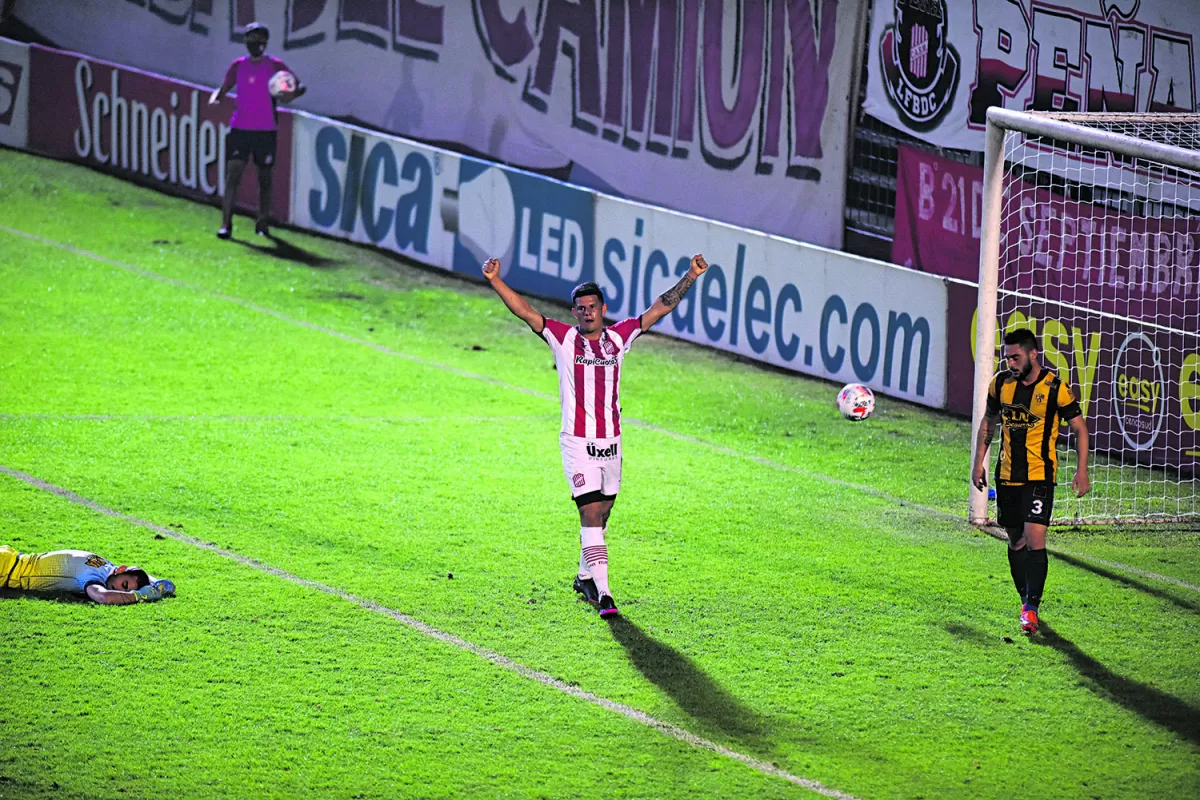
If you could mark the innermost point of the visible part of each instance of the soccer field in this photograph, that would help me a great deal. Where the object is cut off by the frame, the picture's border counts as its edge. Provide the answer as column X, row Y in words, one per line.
column 349, row 467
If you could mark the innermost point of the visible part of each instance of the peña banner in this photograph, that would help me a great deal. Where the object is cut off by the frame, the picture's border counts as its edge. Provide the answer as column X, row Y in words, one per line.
column 733, row 111
column 936, row 66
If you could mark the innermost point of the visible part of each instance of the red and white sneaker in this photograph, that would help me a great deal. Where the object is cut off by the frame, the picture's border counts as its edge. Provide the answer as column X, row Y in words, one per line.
column 1029, row 620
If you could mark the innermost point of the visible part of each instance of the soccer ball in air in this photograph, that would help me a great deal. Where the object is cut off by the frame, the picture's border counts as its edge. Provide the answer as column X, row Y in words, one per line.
column 282, row 82
column 856, row 402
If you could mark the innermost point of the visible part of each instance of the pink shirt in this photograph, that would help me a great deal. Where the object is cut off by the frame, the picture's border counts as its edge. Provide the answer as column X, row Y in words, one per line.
column 255, row 106
column 589, row 375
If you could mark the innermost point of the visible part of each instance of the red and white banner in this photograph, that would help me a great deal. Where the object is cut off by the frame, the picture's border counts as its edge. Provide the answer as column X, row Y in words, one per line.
column 1142, row 267
column 142, row 127
column 939, row 207
column 936, row 66
column 1146, row 268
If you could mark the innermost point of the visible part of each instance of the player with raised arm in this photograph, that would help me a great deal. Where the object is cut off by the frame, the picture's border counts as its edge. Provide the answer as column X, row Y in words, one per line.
column 78, row 572
column 1029, row 402
column 588, row 357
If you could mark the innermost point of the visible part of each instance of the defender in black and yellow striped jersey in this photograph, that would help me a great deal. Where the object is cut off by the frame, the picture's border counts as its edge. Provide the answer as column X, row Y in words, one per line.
column 1029, row 402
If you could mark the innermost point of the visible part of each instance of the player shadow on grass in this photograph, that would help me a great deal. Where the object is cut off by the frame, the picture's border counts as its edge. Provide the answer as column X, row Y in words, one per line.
column 961, row 630
column 1149, row 703
column 282, row 248
column 693, row 691
column 18, row 594
column 1131, row 582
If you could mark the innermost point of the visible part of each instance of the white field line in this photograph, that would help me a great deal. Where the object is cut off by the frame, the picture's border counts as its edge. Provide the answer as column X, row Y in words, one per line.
column 933, row 512
column 1126, row 568
column 999, row 533
column 417, row 625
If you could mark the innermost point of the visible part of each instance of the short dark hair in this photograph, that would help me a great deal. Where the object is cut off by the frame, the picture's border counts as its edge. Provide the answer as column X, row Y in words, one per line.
column 139, row 574
column 585, row 289
column 1023, row 338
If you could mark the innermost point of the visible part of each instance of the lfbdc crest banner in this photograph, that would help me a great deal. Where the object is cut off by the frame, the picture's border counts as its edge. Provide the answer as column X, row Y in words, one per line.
column 936, row 66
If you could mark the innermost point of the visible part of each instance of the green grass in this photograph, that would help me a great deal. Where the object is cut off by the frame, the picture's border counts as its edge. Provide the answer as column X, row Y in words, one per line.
column 844, row 637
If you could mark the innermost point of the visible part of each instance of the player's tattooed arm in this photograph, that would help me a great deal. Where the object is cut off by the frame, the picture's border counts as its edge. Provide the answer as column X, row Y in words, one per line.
column 983, row 440
column 670, row 298
column 987, row 432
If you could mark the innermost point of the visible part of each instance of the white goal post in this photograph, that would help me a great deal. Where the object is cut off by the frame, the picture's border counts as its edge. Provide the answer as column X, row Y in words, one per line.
column 1090, row 237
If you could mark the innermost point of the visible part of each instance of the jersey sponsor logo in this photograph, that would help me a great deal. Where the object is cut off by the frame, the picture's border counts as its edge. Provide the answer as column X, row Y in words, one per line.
column 95, row 561
column 1018, row 418
column 601, row 452
column 595, row 362
column 578, row 480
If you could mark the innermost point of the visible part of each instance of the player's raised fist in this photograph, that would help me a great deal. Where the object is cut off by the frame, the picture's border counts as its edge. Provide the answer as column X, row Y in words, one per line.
column 698, row 265
column 491, row 268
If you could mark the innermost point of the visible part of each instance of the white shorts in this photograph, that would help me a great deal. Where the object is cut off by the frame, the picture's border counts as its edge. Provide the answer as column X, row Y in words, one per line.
column 591, row 465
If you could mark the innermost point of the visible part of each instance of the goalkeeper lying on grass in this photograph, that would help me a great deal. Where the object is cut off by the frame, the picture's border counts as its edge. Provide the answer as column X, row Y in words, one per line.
column 78, row 572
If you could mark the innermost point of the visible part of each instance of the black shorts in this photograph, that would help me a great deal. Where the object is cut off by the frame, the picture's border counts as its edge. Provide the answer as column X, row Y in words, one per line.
column 241, row 145
column 1018, row 503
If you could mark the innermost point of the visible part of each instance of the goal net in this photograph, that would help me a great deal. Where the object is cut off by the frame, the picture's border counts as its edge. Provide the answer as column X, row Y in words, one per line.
column 1091, row 239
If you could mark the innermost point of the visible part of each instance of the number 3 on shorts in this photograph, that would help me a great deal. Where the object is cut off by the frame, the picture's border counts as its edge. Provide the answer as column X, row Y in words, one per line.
column 1036, row 508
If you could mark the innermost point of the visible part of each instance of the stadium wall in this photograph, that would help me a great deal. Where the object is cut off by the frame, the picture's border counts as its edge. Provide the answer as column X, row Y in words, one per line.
column 735, row 111
column 786, row 303
column 14, row 94
column 793, row 305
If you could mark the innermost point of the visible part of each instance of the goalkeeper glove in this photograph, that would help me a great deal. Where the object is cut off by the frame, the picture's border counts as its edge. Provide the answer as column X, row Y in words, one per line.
column 155, row 591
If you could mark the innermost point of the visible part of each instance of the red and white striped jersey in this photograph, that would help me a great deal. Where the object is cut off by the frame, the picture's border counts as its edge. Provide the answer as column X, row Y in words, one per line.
column 589, row 375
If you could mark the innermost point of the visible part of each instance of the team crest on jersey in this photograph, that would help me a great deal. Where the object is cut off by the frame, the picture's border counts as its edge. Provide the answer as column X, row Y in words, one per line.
column 578, row 480
column 1040, row 397
column 920, row 67
column 1018, row 417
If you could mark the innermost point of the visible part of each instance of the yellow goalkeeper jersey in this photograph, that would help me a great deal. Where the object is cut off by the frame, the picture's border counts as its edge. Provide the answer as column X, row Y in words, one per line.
column 61, row 571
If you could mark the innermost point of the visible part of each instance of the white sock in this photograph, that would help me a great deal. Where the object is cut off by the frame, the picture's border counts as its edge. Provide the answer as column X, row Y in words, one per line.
column 584, row 570
column 594, row 554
